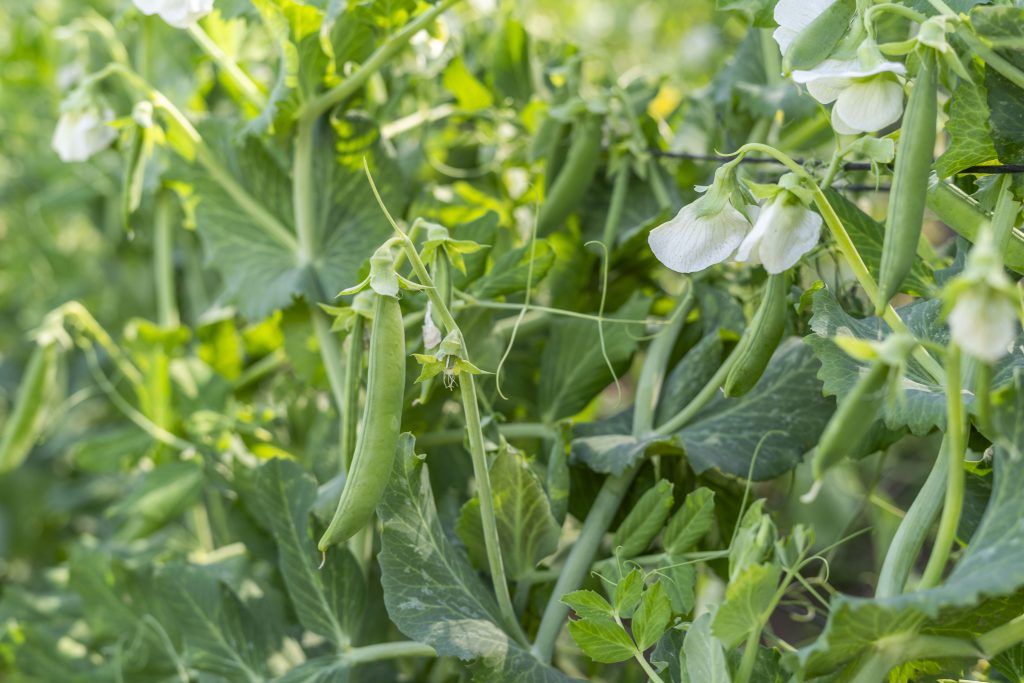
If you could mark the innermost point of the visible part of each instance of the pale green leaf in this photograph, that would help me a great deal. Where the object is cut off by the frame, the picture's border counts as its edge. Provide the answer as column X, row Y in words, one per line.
column 602, row 640
column 747, row 600
column 690, row 522
column 652, row 617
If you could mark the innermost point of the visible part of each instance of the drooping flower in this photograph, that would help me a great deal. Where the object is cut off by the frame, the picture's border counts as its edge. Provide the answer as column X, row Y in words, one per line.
column 867, row 98
column 704, row 232
column 983, row 323
column 785, row 230
column 177, row 13
column 83, row 132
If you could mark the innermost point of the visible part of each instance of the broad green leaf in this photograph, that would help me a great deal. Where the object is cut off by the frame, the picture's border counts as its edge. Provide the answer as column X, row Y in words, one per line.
column 158, row 497
column 652, row 617
column 644, row 521
column 922, row 405
column 588, row 604
column 747, row 600
column 613, row 453
column 778, row 421
column 602, row 640
column 690, row 522
column 432, row 593
column 526, row 528
column 627, row 593
column 705, row 659
column 970, row 134
column 867, row 235
column 249, row 233
column 573, row 369
column 327, row 601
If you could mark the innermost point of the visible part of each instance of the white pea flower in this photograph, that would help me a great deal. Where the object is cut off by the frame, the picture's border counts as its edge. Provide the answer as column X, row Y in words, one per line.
column 704, row 232
column 793, row 16
column 784, row 231
column 983, row 323
column 83, row 132
column 867, row 98
column 177, row 13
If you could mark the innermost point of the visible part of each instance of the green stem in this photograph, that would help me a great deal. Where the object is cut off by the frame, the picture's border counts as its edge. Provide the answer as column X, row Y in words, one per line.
column 471, row 410
column 616, row 206
column 954, row 453
column 648, row 386
column 382, row 651
column 163, row 262
column 260, row 369
column 577, row 564
column 350, row 402
column 1004, row 216
column 253, row 93
column 313, row 108
column 749, row 658
column 1002, row 637
column 502, row 306
column 648, row 669
column 708, row 392
column 991, row 58
column 912, row 532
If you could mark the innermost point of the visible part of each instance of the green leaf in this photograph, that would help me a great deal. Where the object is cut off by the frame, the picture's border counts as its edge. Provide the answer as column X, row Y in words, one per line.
column 509, row 272
column 689, row 375
column 602, row 640
column 627, row 593
column 468, row 90
column 778, row 421
column 1001, row 27
column 679, row 578
column 867, row 235
column 527, row 530
column 970, row 134
column 651, row 619
column 260, row 265
column 572, row 368
column 588, row 604
column 747, row 600
column 432, row 593
column 691, row 522
column 644, row 521
column 328, row 601
column 159, row 496
column 705, row 659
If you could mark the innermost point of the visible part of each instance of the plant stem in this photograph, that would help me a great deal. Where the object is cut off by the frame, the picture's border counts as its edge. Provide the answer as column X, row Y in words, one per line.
column 577, row 564
column 912, row 532
column 313, row 108
column 991, row 58
column 749, row 657
column 954, row 453
column 680, row 419
column 163, row 262
column 502, row 306
column 615, row 207
column 253, row 93
column 1004, row 216
column 471, row 410
column 648, row 387
column 648, row 669
column 1002, row 637
column 381, row 651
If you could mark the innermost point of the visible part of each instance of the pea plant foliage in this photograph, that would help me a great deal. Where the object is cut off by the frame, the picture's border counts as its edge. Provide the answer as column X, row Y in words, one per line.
column 423, row 340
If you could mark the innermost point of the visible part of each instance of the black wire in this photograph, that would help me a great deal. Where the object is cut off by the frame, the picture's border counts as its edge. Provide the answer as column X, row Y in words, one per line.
column 848, row 166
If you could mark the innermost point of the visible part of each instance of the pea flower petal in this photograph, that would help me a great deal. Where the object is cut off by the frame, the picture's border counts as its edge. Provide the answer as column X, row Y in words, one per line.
column 866, row 98
column 793, row 16
column 784, row 231
column 177, row 13
column 983, row 323
column 690, row 242
column 82, row 133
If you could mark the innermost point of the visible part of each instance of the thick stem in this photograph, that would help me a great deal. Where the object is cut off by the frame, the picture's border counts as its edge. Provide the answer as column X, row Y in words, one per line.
column 615, row 207
column 648, row 669
column 253, row 93
column 1004, row 216
column 648, row 387
column 163, row 262
column 749, row 658
column 381, row 651
column 913, row 531
column 954, row 453
column 1002, row 637
column 577, row 564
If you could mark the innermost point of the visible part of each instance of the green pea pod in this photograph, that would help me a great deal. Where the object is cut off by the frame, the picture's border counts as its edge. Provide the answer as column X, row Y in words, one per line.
column 815, row 43
column 381, row 425
column 25, row 421
column 909, row 183
column 575, row 176
column 850, row 423
column 545, row 144
column 760, row 339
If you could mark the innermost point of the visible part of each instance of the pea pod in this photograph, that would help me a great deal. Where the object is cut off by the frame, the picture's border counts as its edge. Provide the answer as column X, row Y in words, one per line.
column 576, row 174
column 760, row 339
column 817, row 41
column 24, row 422
column 909, row 182
column 381, row 425
column 849, row 424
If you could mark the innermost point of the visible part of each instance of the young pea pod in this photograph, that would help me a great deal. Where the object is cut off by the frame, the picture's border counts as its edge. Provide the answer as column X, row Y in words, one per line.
column 850, row 423
column 381, row 425
column 817, row 41
column 24, row 422
column 575, row 176
column 760, row 339
column 909, row 182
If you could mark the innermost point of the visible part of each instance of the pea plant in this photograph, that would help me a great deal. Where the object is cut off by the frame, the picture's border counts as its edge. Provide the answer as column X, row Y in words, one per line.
column 420, row 340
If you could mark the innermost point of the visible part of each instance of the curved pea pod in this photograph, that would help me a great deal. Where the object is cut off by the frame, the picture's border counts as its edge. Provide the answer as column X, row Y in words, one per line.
column 760, row 339
column 576, row 174
column 26, row 419
column 816, row 42
column 852, row 420
column 381, row 425
column 909, row 183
